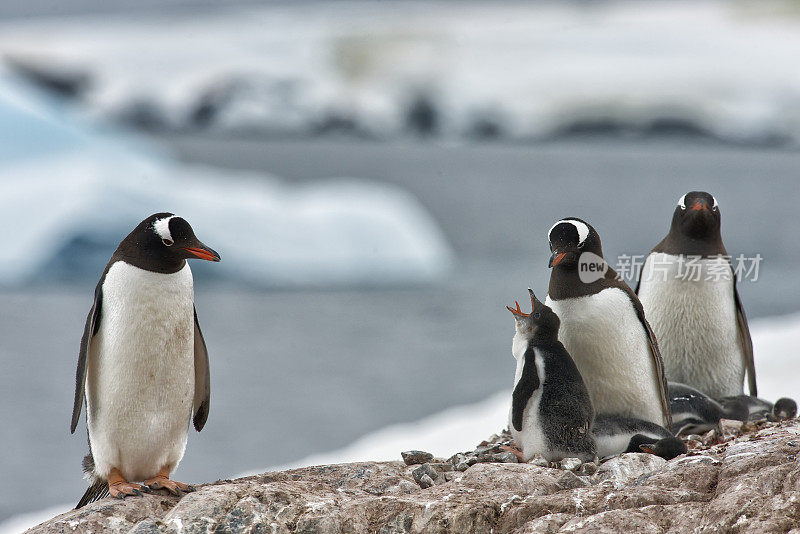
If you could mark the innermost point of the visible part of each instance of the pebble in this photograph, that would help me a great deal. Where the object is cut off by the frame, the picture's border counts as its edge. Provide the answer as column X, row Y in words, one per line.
column 423, row 471
column 730, row 428
column 588, row 469
column 505, row 457
column 570, row 464
column 425, row 481
column 416, row 457
column 452, row 475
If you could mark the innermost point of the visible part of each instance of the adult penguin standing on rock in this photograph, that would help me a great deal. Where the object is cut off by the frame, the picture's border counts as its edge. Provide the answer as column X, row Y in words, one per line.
column 143, row 365
column 688, row 290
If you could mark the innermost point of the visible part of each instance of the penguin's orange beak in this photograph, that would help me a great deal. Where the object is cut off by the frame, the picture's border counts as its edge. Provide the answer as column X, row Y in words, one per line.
column 203, row 253
column 518, row 311
column 557, row 259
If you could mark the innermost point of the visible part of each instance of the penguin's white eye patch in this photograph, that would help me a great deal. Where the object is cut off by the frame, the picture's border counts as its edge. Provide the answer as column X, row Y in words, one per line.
column 167, row 242
column 161, row 228
column 715, row 205
column 682, row 202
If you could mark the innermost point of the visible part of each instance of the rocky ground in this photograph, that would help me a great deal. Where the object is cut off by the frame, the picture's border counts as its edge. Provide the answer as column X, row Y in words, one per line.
column 736, row 479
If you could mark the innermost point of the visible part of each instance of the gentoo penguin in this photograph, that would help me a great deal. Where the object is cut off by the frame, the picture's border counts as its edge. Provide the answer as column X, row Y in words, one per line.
column 617, row 434
column 551, row 413
column 143, row 364
column 759, row 409
column 693, row 412
column 603, row 327
column 688, row 289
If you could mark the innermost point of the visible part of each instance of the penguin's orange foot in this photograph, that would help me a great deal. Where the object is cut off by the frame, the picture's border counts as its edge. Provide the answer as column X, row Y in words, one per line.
column 120, row 488
column 515, row 450
column 173, row 486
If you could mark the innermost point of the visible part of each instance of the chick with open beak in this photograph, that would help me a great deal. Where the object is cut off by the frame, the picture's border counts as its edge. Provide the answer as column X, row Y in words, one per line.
column 551, row 413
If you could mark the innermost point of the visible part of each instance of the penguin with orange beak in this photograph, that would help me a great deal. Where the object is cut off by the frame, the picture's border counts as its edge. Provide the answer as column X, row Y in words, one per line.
column 143, row 365
column 551, row 413
column 688, row 290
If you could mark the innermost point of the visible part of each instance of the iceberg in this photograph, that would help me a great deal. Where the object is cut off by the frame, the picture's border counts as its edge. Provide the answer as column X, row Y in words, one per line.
column 71, row 191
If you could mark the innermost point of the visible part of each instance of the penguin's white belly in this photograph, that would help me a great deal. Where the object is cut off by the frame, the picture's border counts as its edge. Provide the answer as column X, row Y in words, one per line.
column 695, row 322
column 140, row 382
column 531, row 439
column 611, row 349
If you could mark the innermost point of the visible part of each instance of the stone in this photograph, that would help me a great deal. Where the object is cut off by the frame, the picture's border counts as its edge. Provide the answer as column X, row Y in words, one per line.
column 425, row 470
column 623, row 469
column 506, row 457
column 425, row 481
column 570, row 464
column 587, row 468
column 747, row 484
column 416, row 457
column 730, row 428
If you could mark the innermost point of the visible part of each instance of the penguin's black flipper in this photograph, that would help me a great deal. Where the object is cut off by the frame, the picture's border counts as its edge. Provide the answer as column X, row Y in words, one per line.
column 89, row 330
column 747, row 341
column 528, row 383
column 202, row 378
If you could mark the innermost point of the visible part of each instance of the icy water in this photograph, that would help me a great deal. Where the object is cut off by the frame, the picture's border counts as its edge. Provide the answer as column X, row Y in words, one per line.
column 298, row 372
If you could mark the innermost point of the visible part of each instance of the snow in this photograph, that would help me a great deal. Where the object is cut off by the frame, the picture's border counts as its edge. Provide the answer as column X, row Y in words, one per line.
column 527, row 69
column 71, row 192
column 461, row 428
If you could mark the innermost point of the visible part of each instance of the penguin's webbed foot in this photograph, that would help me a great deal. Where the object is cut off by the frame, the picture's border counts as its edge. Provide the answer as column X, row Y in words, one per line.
column 515, row 450
column 120, row 488
column 161, row 481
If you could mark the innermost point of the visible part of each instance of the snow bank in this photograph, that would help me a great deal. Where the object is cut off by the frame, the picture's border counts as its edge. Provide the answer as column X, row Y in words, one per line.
column 70, row 193
column 529, row 69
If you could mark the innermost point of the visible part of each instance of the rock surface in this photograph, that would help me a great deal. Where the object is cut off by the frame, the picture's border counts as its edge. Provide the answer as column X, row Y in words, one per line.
column 750, row 483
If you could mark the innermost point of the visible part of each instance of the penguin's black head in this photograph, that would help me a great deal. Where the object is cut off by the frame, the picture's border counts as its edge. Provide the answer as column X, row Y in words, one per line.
column 785, row 408
column 667, row 448
column 162, row 243
column 541, row 322
column 697, row 216
column 569, row 238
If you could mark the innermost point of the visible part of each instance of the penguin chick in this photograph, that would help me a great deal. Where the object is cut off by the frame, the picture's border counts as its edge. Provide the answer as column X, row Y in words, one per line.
column 617, row 434
column 667, row 448
column 551, row 413
column 693, row 412
column 785, row 408
column 755, row 409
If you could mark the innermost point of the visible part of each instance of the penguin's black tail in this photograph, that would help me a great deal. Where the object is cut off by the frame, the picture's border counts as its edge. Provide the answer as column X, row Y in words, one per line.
column 96, row 491
column 98, row 488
